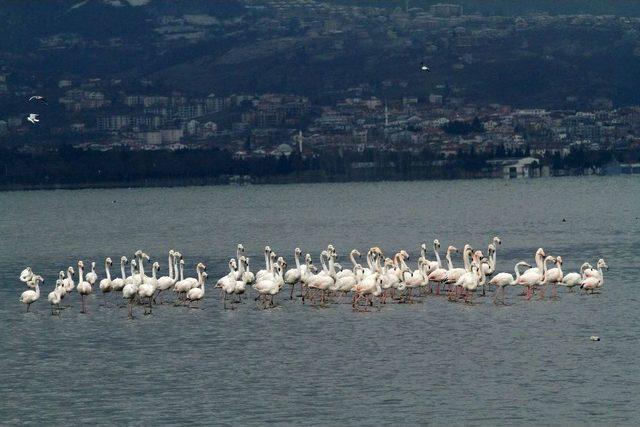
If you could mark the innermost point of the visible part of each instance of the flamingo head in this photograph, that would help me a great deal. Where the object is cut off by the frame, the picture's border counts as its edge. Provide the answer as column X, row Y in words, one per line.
column 156, row 266
column 356, row 253
column 436, row 244
column 559, row 260
column 80, row 264
column 124, row 260
column 240, row 248
column 204, row 276
column 452, row 249
column 497, row 241
column 71, row 271
column 404, row 254
column 108, row 261
column 540, row 253
column 171, row 252
column 267, row 249
column 602, row 264
column 298, row 251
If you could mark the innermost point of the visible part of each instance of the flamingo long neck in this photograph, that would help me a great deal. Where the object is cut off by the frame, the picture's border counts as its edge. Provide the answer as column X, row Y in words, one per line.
column 403, row 265
column 154, row 271
column 423, row 252
column 324, row 266
column 492, row 260
column 437, row 257
column 240, row 267
column 170, row 264
column 465, row 258
column 266, row 261
column 122, row 272
column 202, row 280
column 353, row 260
column 449, row 263
column 296, row 257
column 378, row 266
column 559, row 267
column 539, row 262
column 141, row 268
column 369, row 262
column 37, row 288
column 69, row 276
column 176, row 268
column 181, row 272
column 107, row 272
column 133, row 272
column 332, row 266
column 80, row 275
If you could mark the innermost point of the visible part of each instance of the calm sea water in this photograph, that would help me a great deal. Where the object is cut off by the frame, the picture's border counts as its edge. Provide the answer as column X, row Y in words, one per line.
column 431, row 362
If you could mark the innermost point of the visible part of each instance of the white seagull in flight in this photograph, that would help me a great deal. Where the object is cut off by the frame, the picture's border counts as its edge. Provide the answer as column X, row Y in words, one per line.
column 424, row 67
column 33, row 118
column 38, row 98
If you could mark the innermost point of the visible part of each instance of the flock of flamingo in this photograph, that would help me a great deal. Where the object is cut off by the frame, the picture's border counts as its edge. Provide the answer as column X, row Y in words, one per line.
column 383, row 279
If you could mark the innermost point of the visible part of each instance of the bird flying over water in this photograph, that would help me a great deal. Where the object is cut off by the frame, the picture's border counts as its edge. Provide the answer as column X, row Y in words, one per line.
column 33, row 118
column 424, row 67
column 38, row 98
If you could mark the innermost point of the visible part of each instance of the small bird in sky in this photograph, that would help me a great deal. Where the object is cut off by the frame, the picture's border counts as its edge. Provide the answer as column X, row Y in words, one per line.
column 424, row 67
column 38, row 98
column 33, row 118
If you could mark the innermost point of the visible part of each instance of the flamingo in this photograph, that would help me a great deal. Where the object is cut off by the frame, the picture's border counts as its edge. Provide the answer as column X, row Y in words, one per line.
column 83, row 288
column 573, row 279
column 502, row 280
column 30, row 296
column 292, row 276
column 534, row 276
column 147, row 288
column 167, row 282
column 117, row 284
column 55, row 296
column 106, row 283
column 197, row 294
column 227, row 283
column 553, row 276
column 91, row 276
column 590, row 272
column 69, row 284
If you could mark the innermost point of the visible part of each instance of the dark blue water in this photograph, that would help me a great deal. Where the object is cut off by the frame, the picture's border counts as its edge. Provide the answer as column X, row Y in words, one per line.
column 431, row 362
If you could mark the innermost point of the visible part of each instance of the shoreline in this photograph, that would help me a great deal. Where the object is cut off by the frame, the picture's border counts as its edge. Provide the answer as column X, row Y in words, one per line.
column 204, row 182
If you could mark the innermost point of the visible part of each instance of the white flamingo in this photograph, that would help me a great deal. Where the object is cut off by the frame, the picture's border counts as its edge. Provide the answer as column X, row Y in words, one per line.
column 502, row 280
column 574, row 279
column 197, row 294
column 55, row 297
column 117, row 284
column 30, row 296
column 105, row 284
column 83, row 288
column 69, row 283
column 92, row 276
